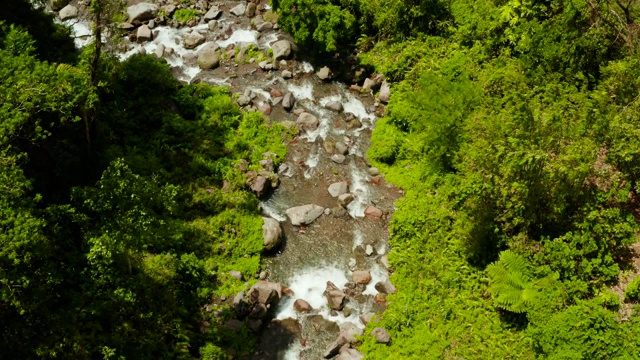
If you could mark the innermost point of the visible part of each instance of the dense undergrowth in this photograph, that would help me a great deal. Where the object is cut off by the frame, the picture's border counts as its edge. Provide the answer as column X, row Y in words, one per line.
column 122, row 206
column 513, row 129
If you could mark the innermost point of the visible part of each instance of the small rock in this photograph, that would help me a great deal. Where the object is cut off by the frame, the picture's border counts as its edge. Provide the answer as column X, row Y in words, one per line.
column 347, row 353
column 151, row 24
column 192, row 40
column 209, row 59
column 341, row 148
column 159, row 51
column 366, row 318
column 338, row 212
column 384, row 260
column 169, row 10
column 286, row 74
column 381, row 335
column 263, row 275
column 238, row 10
column 385, row 287
column 223, row 297
column 212, row 14
column 265, row 109
column 254, row 324
column 233, row 324
column 335, row 296
column 305, row 214
column 302, row 306
column 68, row 12
column 212, row 25
column 275, row 93
column 361, row 277
column 307, row 121
column 143, row 34
column 385, row 92
column 324, row 74
column 338, row 158
column 334, row 106
column 345, row 199
column 339, row 188
column 368, row 250
column 265, row 26
column 243, row 100
column 373, row 212
column 281, row 49
column 352, row 263
column 141, row 12
column 373, row 171
column 327, row 211
column 288, row 101
column 236, row 275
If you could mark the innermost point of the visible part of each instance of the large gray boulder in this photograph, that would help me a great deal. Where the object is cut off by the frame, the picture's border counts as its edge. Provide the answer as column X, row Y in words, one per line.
column 209, row 59
column 307, row 121
column 338, row 188
column 68, row 12
column 271, row 233
column 144, row 34
column 212, row 14
column 238, row 10
column 193, row 40
column 141, row 12
column 58, row 4
column 281, row 49
column 305, row 214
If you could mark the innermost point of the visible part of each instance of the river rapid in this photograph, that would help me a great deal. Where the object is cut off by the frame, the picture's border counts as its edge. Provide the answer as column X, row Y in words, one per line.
column 341, row 240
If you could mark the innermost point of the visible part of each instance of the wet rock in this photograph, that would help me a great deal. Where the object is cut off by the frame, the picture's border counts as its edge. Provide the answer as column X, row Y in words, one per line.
column 209, row 59
column 238, row 10
column 143, row 34
column 192, row 40
column 385, row 287
column 324, row 74
column 212, row 25
column 352, row 265
column 286, row 74
column 265, row 108
column 368, row 250
column 213, row 14
column 373, row 212
column 334, row 296
column 264, row 26
column 141, row 12
column 243, row 100
column 68, row 12
column 334, row 347
column 275, row 93
column 302, row 306
column 250, row 10
column 380, row 298
column 307, row 121
column 281, row 49
column 361, row 277
column 159, row 52
column 347, row 353
column 350, row 331
column 366, row 318
column 236, row 275
column 258, row 311
column 345, row 199
column 305, row 214
column 271, row 233
column 334, row 106
column 355, row 124
column 338, row 212
column 260, row 185
column 338, row 158
column 373, row 83
column 265, row 65
column 338, row 188
column 385, row 92
column 373, row 171
column 254, row 324
column 233, row 324
column 381, row 335
column 342, row 148
column 265, row 293
column 384, row 260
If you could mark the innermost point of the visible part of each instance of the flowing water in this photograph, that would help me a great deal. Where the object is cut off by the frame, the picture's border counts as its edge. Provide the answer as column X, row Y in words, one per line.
column 332, row 246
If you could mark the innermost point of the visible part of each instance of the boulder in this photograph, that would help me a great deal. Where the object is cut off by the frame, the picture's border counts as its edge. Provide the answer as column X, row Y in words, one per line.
column 385, row 92
column 334, row 347
column 68, row 12
column 384, row 260
column 334, row 106
column 271, row 233
column 58, row 4
column 373, row 212
column 347, row 353
column 209, row 59
column 281, row 49
column 305, row 214
column 258, row 311
column 238, row 10
column 345, row 199
column 264, row 26
column 265, row 293
column 334, row 296
column 212, row 25
column 141, row 12
column 381, row 335
column 254, row 324
column 385, row 287
column 302, row 306
column 144, row 34
column 193, row 40
column 307, row 121
column 288, row 101
column 250, row 10
column 213, row 14
column 338, row 188
column 361, row 277
column 260, row 185
column 338, row 158
column 324, row 74
column 366, row 318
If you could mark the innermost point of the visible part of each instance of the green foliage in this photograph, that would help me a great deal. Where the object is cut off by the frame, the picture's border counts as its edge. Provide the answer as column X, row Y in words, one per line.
column 632, row 292
column 511, row 284
column 186, row 15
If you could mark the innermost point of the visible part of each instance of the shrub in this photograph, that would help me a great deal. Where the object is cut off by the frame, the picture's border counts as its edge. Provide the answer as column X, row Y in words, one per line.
column 633, row 290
